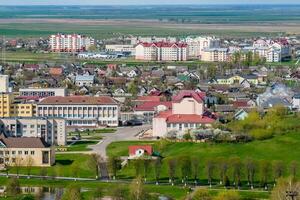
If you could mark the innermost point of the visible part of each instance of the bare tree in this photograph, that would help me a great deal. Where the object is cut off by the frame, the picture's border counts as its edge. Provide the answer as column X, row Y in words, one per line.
column 94, row 163
column 114, row 164
column 195, row 168
column 147, row 165
column 186, row 168
column 172, row 169
column 251, row 168
column 18, row 164
column 265, row 170
column 237, row 170
column 157, row 169
column 278, row 169
column 223, row 168
column 29, row 164
column 294, row 168
column 210, row 166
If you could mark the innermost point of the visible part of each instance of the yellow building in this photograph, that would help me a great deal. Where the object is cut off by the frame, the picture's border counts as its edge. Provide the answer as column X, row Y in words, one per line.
column 9, row 107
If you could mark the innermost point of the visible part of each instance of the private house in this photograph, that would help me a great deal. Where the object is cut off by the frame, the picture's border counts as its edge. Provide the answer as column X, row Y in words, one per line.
column 187, row 113
column 244, row 80
column 296, row 101
column 240, row 115
column 28, row 151
column 82, row 111
column 140, row 151
column 85, row 80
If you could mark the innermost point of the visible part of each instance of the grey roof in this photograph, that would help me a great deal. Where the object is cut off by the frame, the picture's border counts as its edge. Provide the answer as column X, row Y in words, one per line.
column 274, row 101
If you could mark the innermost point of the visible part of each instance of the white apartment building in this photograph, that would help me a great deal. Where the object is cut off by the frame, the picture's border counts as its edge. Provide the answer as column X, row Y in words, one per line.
column 82, row 111
column 139, row 39
column 70, row 43
column 197, row 45
column 43, row 92
column 161, row 51
column 123, row 48
column 4, row 83
column 51, row 130
column 215, row 55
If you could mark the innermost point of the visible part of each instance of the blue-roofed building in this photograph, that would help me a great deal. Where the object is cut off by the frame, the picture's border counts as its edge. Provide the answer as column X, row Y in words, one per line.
column 85, row 80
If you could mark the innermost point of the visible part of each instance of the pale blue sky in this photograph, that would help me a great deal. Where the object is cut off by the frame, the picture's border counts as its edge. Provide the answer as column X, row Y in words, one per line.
column 141, row 2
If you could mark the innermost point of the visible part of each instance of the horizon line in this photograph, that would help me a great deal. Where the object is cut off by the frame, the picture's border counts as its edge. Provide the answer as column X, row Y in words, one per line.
column 187, row 4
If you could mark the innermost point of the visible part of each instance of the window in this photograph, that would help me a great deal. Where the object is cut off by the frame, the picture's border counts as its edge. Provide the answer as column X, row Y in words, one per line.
column 32, row 153
column 26, row 152
column 20, row 152
column 13, row 152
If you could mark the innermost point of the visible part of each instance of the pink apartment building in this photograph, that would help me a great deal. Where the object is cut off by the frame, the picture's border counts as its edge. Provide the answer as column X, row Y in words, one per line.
column 161, row 51
column 187, row 113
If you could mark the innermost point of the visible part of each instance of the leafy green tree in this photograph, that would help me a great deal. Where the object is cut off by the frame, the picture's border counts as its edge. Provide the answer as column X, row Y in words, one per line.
column 251, row 168
column 137, row 164
column 186, row 168
column 223, row 168
column 195, row 167
column 265, row 171
column 278, row 169
column 237, row 166
column 157, row 169
column 147, row 166
column 210, row 166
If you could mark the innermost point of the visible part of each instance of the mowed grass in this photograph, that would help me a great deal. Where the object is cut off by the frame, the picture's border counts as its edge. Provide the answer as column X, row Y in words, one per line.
column 67, row 165
column 284, row 148
column 81, row 146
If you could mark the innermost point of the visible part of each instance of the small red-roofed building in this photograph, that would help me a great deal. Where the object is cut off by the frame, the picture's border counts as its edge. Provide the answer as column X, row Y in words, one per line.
column 140, row 151
column 187, row 113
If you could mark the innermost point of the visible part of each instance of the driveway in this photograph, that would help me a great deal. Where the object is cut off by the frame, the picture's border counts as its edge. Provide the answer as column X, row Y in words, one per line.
column 122, row 134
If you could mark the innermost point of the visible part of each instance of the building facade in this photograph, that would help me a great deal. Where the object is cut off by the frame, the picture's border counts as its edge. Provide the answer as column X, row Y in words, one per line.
column 161, row 51
column 70, row 43
column 4, row 83
column 187, row 113
column 33, row 152
column 84, row 111
column 215, row 55
column 198, row 44
column 51, row 130
column 42, row 92
column 11, row 107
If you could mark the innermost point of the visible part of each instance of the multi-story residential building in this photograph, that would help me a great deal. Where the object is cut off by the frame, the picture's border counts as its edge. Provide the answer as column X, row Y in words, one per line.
column 187, row 113
column 51, row 130
column 81, row 110
column 11, row 107
column 137, row 40
column 70, row 43
column 42, row 92
column 161, row 51
column 17, row 151
column 4, row 83
column 215, row 55
column 198, row 44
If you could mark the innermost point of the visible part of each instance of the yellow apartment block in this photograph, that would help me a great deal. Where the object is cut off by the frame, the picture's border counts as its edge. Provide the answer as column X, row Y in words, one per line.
column 9, row 107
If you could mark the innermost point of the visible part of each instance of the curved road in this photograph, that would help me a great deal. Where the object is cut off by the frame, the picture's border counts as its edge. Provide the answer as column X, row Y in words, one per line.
column 122, row 134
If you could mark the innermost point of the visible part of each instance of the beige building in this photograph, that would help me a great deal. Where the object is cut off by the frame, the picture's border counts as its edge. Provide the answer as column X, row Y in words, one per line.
column 83, row 111
column 4, row 83
column 25, row 152
column 51, row 130
column 11, row 107
column 43, row 92
column 198, row 44
column 215, row 55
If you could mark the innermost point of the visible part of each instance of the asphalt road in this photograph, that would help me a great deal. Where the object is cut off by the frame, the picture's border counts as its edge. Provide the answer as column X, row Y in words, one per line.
column 122, row 134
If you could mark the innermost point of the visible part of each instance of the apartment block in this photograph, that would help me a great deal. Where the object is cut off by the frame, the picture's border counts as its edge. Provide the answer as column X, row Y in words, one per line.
column 161, row 51
column 51, row 130
column 25, row 152
column 70, row 43
column 215, row 55
column 10, row 106
column 4, row 83
column 42, row 92
column 197, row 45
column 82, row 111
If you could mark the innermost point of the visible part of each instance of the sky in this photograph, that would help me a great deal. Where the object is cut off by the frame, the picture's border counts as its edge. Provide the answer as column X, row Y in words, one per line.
column 141, row 2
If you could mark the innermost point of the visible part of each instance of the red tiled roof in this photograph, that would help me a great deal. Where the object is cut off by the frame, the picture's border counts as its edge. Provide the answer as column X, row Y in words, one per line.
column 198, row 96
column 75, row 100
column 240, row 104
column 147, row 148
column 151, row 105
column 149, row 98
column 189, row 118
column 55, row 71
column 164, row 44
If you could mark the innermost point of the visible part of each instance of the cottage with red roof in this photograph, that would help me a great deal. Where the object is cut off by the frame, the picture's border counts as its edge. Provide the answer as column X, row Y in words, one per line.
column 161, row 51
column 139, row 151
column 187, row 113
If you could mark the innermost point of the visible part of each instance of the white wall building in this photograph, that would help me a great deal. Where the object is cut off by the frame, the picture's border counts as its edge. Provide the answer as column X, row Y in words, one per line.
column 43, row 92
column 70, row 43
column 4, row 83
column 197, row 45
column 127, row 48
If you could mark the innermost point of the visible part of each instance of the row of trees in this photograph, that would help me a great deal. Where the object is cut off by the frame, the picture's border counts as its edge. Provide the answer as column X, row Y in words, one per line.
column 223, row 171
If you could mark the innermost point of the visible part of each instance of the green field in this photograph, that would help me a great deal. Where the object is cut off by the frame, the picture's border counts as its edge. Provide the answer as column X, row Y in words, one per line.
column 280, row 148
column 81, row 146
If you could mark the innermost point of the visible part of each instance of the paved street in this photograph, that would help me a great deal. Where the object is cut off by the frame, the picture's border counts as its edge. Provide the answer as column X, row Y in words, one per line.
column 122, row 134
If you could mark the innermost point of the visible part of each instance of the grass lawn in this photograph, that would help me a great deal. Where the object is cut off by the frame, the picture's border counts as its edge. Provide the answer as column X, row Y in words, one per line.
column 285, row 148
column 67, row 165
column 92, row 134
column 81, row 146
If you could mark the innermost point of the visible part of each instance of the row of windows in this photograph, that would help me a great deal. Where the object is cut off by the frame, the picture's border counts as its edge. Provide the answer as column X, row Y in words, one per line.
column 6, row 153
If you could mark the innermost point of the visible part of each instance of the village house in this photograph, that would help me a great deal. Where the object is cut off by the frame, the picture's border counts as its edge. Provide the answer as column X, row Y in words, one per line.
column 140, row 151
column 187, row 113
